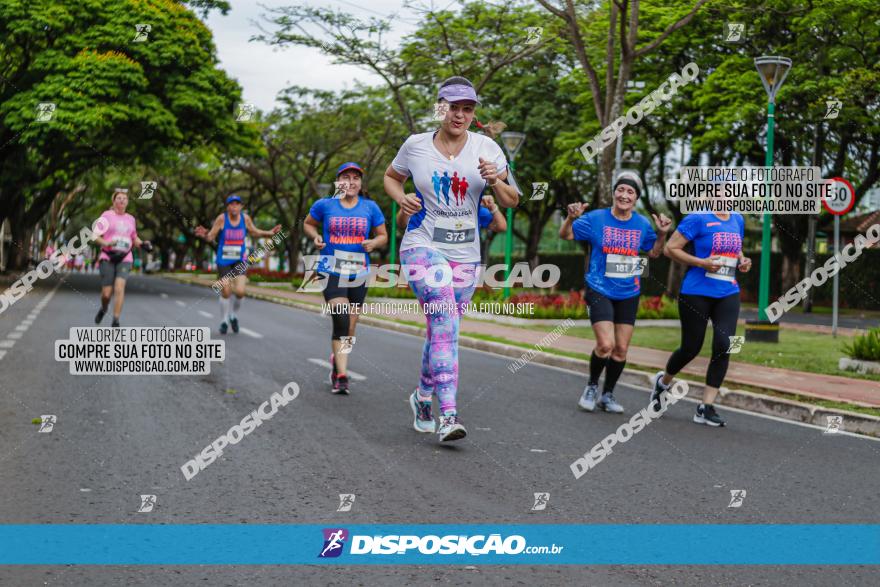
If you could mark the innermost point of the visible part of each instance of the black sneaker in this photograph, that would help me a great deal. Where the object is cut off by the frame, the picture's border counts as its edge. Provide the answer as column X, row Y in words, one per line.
column 100, row 315
column 708, row 416
column 234, row 323
column 116, row 323
column 657, row 392
column 340, row 386
column 224, row 327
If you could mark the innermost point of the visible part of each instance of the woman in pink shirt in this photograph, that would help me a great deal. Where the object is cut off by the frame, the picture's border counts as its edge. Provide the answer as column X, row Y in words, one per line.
column 114, row 262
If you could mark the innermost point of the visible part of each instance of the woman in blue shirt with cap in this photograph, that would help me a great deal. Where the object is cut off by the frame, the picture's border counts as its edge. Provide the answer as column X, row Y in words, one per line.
column 233, row 226
column 344, row 242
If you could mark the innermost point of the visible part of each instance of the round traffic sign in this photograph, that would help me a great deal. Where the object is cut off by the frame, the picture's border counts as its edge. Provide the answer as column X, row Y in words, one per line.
column 841, row 197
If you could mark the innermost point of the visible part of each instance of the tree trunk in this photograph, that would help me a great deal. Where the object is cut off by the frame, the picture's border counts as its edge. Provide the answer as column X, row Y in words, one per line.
column 674, row 277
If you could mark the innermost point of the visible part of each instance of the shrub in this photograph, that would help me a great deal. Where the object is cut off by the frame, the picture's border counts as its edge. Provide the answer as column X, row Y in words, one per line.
column 865, row 347
column 657, row 307
column 262, row 274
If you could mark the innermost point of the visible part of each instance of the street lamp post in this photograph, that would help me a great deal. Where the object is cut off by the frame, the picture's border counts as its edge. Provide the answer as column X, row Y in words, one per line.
column 773, row 70
column 512, row 142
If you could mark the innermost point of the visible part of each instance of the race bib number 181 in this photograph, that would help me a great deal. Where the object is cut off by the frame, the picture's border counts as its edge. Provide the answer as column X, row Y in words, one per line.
column 624, row 266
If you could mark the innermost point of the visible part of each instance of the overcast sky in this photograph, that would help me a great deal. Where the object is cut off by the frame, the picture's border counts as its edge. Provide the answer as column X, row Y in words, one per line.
column 263, row 70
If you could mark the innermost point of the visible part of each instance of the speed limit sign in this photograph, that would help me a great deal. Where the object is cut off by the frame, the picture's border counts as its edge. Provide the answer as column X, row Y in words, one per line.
column 841, row 197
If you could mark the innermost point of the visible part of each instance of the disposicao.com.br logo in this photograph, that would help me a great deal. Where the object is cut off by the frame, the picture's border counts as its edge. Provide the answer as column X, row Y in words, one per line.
column 431, row 544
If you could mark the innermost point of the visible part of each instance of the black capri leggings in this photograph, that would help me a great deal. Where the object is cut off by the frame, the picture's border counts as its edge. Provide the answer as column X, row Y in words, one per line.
column 355, row 295
column 695, row 312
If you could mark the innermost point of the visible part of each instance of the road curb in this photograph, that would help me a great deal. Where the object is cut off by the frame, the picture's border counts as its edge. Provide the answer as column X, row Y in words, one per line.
column 736, row 398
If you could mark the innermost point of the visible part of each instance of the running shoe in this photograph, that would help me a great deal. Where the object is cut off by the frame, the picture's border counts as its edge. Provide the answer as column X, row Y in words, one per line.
column 657, row 391
column 609, row 404
column 588, row 398
column 234, row 323
column 451, row 429
column 100, row 315
column 708, row 416
column 340, row 386
column 423, row 418
column 116, row 323
column 333, row 371
column 224, row 327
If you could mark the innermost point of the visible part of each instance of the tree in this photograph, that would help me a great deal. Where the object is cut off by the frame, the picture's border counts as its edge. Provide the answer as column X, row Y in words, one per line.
column 114, row 101
column 621, row 45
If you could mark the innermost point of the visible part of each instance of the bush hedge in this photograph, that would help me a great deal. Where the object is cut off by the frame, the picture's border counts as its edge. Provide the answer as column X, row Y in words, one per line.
column 859, row 281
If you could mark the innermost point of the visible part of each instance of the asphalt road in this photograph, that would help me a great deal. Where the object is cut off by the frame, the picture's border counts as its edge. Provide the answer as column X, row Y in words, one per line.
column 122, row 436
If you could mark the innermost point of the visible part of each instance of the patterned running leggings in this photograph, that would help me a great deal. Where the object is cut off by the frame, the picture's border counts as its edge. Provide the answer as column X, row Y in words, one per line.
column 442, row 297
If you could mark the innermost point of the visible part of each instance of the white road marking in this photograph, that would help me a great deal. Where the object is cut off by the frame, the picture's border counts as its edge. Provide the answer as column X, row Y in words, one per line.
column 250, row 332
column 179, row 303
column 15, row 335
column 163, row 295
column 351, row 374
column 572, row 372
column 22, row 327
column 2, row 354
column 7, row 344
column 537, row 450
column 206, row 314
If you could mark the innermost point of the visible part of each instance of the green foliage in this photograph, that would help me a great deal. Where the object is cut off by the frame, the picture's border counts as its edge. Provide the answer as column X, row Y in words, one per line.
column 118, row 102
column 865, row 347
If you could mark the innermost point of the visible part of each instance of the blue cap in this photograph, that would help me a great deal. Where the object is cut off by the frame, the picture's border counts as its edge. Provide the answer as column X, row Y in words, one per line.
column 347, row 166
column 233, row 198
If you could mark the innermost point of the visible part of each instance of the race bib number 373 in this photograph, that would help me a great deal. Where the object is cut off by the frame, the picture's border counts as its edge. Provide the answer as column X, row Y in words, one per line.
column 453, row 233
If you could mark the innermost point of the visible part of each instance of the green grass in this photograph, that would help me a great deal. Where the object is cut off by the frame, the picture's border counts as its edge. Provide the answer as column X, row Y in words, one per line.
column 812, row 352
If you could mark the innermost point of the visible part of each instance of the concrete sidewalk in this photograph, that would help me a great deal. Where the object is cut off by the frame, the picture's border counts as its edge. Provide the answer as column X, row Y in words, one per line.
column 858, row 392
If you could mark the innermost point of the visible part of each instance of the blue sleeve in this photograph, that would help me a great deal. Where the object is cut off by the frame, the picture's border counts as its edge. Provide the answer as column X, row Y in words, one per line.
column 583, row 228
column 690, row 226
column 376, row 216
column 649, row 236
column 742, row 226
column 484, row 217
column 317, row 210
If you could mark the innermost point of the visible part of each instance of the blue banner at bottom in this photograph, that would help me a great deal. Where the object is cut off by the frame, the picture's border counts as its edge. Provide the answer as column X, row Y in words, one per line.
column 471, row 544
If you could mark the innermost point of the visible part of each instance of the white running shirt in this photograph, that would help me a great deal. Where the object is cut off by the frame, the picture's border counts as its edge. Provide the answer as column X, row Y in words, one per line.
column 450, row 193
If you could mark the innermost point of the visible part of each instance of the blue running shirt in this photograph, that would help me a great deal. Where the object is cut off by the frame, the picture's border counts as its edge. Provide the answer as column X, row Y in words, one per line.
column 711, row 237
column 614, row 251
column 344, row 229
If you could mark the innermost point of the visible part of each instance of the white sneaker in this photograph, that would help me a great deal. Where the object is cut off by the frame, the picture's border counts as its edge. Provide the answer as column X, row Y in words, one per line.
column 450, row 429
column 423, row 419
column 588, row 398
column 609, row 404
